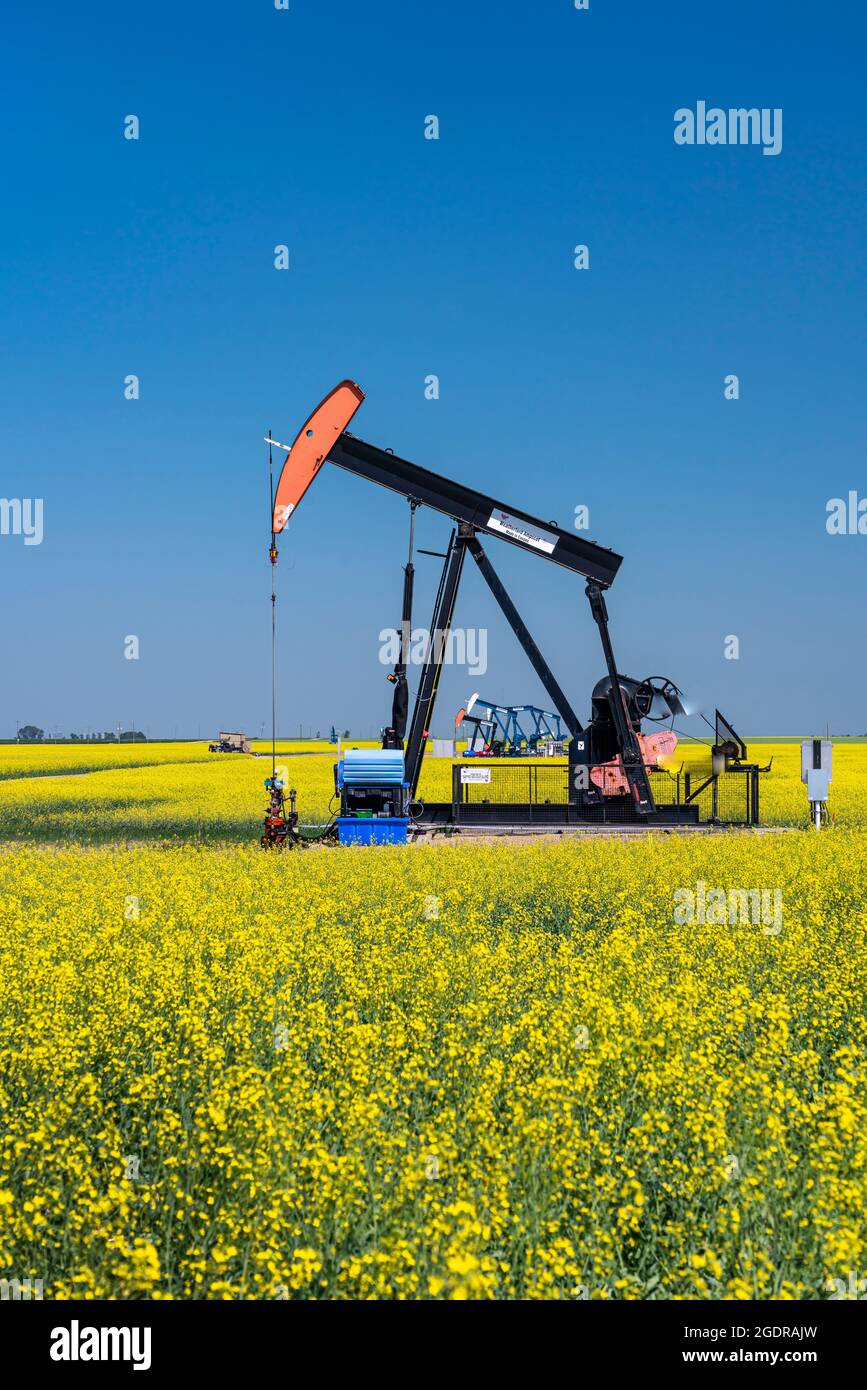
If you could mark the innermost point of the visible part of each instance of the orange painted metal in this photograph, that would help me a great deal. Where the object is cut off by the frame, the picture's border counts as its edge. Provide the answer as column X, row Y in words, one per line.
column 610, row 777
column 311, row 448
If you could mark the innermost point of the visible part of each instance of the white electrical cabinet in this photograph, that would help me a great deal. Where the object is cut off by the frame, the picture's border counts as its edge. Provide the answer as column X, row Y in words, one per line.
column 816, row 761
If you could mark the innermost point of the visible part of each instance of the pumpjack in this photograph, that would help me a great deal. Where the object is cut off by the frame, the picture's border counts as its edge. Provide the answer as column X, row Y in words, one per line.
column 507, row 730
column 610, row 760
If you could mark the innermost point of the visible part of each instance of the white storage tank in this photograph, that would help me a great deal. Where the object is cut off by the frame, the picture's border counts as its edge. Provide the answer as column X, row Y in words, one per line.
column 442, row 748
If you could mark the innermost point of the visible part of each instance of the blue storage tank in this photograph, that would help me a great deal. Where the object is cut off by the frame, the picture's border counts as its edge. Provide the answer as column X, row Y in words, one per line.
column 372, row 830
column 371, row 767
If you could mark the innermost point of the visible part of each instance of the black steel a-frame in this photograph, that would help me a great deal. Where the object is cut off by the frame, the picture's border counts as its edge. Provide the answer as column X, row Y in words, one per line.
column 474, row 513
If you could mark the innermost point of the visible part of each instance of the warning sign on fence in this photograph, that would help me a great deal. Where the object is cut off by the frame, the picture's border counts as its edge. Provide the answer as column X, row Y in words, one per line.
column 475, row 774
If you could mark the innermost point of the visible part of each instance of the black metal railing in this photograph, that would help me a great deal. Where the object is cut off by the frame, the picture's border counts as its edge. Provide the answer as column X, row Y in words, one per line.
column 511, row 783
column 730, row 798
column 509, row 790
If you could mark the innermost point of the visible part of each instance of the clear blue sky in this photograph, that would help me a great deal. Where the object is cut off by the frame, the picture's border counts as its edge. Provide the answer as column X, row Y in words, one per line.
column 409, row 257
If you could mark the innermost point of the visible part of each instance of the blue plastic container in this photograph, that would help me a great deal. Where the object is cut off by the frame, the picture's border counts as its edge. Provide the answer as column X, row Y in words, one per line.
column 372, row 830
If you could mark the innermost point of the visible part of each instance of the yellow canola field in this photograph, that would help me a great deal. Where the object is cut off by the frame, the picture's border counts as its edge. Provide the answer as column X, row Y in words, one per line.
column 41, row 759
column 186, row 794
column 219, row 799
column 452, row 1072
column 462, row 1071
